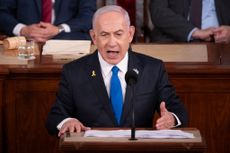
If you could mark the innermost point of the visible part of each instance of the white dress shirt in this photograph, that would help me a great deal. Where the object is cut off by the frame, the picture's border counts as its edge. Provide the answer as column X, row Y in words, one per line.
column 106, row 70
column 209, row 17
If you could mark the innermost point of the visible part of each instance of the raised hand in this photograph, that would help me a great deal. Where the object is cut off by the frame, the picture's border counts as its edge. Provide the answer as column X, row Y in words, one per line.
column 167, row 120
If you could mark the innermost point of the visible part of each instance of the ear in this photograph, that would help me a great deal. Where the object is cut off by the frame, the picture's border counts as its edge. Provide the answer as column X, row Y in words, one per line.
column 131, row 33
column 93, row 37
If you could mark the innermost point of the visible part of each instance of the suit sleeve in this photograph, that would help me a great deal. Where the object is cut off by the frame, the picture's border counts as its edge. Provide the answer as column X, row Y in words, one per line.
column 167, row 94
column 168, row 21
column 7, row 19
column 63, row 106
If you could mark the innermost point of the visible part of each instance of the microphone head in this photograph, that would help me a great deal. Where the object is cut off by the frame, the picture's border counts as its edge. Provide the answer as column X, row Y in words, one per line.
column 131, row 77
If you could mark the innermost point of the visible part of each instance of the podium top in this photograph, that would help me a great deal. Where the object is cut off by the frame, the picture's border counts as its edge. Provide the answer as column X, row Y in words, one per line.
column 77, row 142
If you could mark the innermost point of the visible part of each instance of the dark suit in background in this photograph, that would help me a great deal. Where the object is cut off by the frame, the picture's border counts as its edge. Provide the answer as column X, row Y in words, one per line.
column 83, row 96
column 170, row 18
column 75, row 13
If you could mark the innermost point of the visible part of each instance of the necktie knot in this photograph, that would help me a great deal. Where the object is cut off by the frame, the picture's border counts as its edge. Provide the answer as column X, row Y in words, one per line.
column 115, row 70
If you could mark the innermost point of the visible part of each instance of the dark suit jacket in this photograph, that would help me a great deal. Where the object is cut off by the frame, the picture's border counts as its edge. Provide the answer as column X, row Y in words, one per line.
column 76, row 13
column 84, row 97
column 170, row 18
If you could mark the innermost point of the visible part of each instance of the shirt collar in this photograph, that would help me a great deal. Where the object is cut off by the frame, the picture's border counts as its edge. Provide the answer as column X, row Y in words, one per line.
column 106, row 67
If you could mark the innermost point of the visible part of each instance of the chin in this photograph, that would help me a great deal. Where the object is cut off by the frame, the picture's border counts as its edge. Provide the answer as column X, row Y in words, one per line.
column 113, row 61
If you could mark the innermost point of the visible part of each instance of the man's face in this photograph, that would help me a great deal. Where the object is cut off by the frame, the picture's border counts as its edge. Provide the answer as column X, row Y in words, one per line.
column 112, row 36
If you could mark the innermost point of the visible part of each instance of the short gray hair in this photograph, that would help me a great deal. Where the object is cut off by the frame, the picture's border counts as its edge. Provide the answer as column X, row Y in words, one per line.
column 111, row 8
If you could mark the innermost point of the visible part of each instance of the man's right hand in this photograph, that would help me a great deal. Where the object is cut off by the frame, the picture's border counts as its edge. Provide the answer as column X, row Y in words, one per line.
column 204, row 34
column 72, row 125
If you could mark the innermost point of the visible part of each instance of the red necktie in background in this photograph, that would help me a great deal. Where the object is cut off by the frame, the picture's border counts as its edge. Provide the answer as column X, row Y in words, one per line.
column 196, row 12
column 46, row 10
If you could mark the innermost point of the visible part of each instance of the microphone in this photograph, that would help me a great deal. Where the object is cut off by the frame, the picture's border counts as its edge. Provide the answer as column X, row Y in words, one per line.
column 131, row 78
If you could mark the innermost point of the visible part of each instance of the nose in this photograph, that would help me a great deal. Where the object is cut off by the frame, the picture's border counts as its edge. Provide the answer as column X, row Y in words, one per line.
column 112, row 41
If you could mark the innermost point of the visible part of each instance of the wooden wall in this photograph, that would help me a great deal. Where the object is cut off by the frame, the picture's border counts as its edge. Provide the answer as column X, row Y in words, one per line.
column 207, row 99
column 3, row 73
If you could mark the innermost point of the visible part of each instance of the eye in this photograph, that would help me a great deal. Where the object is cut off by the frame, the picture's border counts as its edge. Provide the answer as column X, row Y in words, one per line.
column 104, row 34
column 118, row 34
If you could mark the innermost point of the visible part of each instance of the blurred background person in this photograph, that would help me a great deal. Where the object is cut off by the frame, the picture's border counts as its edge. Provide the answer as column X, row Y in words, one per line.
column 41, row 20
column 190, row 20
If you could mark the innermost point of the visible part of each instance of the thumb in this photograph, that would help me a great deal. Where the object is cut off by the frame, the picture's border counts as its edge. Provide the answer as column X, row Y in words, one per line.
column 163, row 108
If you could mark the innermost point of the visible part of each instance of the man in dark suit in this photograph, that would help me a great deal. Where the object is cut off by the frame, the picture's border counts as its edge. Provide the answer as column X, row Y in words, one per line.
column 171, row 21
column 83, row 97
column 70, row 19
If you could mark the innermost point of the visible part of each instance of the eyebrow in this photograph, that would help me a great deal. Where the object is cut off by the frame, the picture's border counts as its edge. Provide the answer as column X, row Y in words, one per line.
column 120, row 30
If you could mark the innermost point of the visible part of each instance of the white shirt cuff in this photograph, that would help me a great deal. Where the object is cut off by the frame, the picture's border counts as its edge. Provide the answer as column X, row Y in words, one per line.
column 62, row 122
column 66, row 27
column 177, row 119
column 17, row 29
column 190, row 35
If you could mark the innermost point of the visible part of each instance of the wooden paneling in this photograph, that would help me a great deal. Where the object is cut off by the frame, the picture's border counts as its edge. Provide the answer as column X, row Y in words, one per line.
column 225, row 55
column 1, row 115
column 207, row 99
column 27, row 103
column 3, row 74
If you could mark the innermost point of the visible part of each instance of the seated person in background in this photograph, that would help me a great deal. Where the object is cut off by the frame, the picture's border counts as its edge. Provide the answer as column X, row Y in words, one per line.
column 41, row 20
column 85, row 97
column 171, row 19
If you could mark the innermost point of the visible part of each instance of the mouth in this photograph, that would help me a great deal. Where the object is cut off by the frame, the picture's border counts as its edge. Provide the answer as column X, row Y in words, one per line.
column 112, row 54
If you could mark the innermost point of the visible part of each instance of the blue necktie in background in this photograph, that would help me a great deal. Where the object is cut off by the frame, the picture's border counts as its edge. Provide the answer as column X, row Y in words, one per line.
column 116, row 94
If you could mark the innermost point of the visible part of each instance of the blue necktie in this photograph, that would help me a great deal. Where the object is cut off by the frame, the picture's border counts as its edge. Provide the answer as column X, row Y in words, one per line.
column 116, row 94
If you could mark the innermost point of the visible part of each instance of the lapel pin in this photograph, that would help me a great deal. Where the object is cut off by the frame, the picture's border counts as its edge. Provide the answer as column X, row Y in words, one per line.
column 136, row 70
column 93, row 73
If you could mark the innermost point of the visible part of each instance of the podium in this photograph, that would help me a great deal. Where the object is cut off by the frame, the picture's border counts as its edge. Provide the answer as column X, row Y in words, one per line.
column 76, row 142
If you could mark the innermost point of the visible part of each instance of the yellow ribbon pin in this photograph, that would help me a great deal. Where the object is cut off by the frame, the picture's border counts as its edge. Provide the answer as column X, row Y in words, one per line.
column 93, row 73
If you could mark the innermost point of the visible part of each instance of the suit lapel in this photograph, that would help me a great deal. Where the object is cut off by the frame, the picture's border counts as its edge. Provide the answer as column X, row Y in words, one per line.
column 95, row 77
column 186, row 8
column 57, row 5
column 39, row 6
column 133, row 63
column 218, row 12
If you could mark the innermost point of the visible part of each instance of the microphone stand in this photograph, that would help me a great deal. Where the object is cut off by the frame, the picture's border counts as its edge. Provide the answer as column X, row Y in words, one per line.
column 133, row 129
column 131, row 79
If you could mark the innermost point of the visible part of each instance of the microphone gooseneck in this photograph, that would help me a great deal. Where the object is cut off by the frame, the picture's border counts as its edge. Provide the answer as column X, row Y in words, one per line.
column 131, row 78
